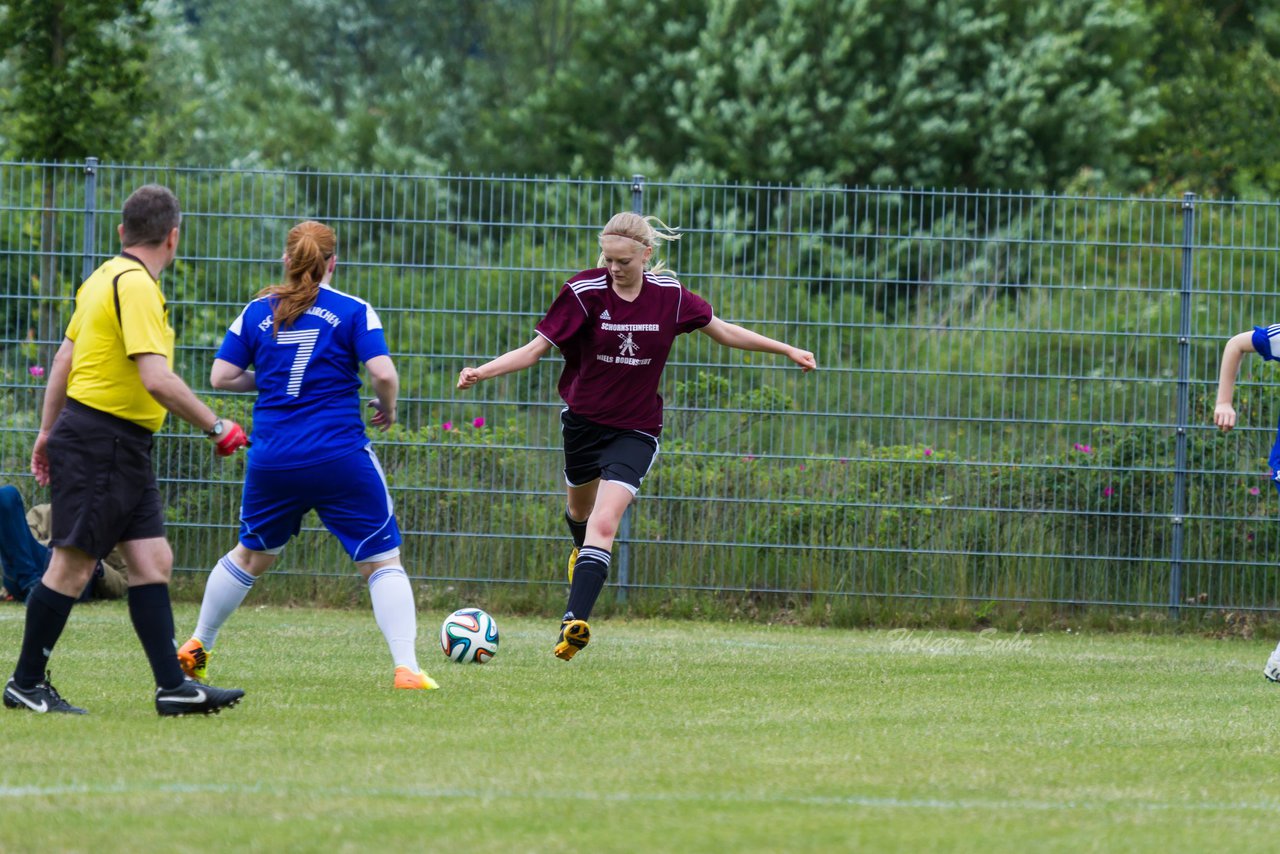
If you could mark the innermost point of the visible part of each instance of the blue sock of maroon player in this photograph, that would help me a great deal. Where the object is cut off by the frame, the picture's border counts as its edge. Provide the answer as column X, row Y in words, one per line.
column 589, row 573
column 577, row 530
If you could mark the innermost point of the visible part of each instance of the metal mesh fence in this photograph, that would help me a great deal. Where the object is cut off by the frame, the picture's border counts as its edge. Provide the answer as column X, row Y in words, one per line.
column 1013, row 400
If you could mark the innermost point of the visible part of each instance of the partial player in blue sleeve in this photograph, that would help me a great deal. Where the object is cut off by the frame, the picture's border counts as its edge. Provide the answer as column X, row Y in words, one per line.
column 1265, row 341
column 300, row 345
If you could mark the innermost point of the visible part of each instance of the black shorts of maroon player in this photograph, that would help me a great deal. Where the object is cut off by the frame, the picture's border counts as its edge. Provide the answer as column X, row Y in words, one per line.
column 103, row 487
column 595, row 451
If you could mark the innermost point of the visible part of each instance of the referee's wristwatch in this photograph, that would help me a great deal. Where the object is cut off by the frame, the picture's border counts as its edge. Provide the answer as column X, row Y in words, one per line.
column 215, row 431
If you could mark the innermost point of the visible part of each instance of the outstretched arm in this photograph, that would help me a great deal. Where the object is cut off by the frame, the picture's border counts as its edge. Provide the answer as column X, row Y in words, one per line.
column 732, row 335
column 1224, row 414
column 509, row 362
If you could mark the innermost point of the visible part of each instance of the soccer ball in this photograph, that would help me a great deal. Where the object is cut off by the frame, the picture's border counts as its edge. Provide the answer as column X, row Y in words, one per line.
column 469, row 635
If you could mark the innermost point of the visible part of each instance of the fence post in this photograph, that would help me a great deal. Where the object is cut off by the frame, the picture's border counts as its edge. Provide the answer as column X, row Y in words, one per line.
column 624, row 525
column 90, row 215
column 1184, row 388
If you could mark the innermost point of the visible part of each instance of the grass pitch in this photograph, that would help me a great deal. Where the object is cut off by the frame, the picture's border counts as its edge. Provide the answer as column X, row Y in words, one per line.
column 660, row 736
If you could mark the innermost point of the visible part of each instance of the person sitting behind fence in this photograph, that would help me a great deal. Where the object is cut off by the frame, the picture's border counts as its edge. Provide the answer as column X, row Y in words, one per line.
column 24, row 552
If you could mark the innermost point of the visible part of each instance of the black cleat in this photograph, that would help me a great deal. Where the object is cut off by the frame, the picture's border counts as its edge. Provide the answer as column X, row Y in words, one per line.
column 41, row 699
column 195, row 698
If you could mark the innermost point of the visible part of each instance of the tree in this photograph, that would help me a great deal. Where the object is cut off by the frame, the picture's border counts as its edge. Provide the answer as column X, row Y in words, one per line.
column 568, row 86
column 330, row 84
column 1009, row 94
column 1217, row 65
column 77, row 87
column 1014, row 94
column 78, row 77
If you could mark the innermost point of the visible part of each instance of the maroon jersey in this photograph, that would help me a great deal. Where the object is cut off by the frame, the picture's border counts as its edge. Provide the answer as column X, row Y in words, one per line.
column 614, row 351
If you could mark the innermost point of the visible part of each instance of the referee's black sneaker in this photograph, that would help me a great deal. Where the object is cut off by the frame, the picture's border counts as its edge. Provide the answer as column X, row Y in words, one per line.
column 41, row 699
column 195, row 698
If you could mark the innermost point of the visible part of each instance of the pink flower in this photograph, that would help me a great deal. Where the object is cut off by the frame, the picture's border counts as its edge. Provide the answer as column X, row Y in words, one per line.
column 749, row 457
column 1255, row 491
column 448, row 425
column 1084, row 449
column 479, row 422
column 1108, row 492
column 1249, row 537
column 36, row 371
column 844, row 459
column 928, row 452
column 802, row 467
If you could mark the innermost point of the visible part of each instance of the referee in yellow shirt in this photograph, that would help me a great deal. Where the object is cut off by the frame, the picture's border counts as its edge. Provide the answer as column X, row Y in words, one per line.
column 110, row 386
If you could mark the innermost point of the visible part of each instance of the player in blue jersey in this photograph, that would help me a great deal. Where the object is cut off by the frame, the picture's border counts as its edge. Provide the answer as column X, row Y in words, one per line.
column 1265, row 341
column 300, row 345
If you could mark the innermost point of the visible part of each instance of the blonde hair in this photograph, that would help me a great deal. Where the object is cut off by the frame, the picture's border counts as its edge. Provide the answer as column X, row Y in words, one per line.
column 640, row 229
column 308, row 249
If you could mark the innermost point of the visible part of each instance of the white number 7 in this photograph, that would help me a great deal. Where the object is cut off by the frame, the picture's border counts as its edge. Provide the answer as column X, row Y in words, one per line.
column 305, row 341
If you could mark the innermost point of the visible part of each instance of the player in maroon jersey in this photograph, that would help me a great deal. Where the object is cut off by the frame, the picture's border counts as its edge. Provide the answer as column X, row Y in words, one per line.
column 614, row 326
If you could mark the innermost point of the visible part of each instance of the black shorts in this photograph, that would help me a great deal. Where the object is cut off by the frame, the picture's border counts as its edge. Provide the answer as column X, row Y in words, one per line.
column 102, row 483
column 595, row 451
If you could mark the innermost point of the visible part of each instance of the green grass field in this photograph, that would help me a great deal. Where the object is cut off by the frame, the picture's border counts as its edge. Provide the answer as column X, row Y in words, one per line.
column 661, row 736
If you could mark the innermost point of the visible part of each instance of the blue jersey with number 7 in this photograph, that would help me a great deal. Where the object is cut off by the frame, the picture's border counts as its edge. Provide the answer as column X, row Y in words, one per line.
column 308, row 376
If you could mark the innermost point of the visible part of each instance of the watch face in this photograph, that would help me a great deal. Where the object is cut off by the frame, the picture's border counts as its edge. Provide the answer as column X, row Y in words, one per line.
column 217, row 428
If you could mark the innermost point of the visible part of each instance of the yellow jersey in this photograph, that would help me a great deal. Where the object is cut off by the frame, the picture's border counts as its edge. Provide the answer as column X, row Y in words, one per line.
column 120, row 312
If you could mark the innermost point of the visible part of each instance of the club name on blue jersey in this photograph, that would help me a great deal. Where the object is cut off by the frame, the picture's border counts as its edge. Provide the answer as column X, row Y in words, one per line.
column 315, row 311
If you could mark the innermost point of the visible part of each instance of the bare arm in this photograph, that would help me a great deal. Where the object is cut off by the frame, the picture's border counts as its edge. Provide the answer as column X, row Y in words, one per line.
column 732, row 335
column 386, row 388
column 171, row 392
column 55, row 393
column 509, row 362
column 228, row 377
column 55, row 398
column 1224, row 414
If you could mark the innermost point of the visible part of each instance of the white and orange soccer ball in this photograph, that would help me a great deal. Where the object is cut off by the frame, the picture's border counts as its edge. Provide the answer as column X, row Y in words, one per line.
column 469, row 636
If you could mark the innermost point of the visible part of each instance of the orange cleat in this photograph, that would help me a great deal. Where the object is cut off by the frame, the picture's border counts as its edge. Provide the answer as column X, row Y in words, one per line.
column 194, row 659
column 411, row 681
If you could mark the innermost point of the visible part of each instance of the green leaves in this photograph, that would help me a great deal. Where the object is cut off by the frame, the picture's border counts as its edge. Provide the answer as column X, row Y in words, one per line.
column 1008, row 94
column 78, row 79
column 986, row 94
